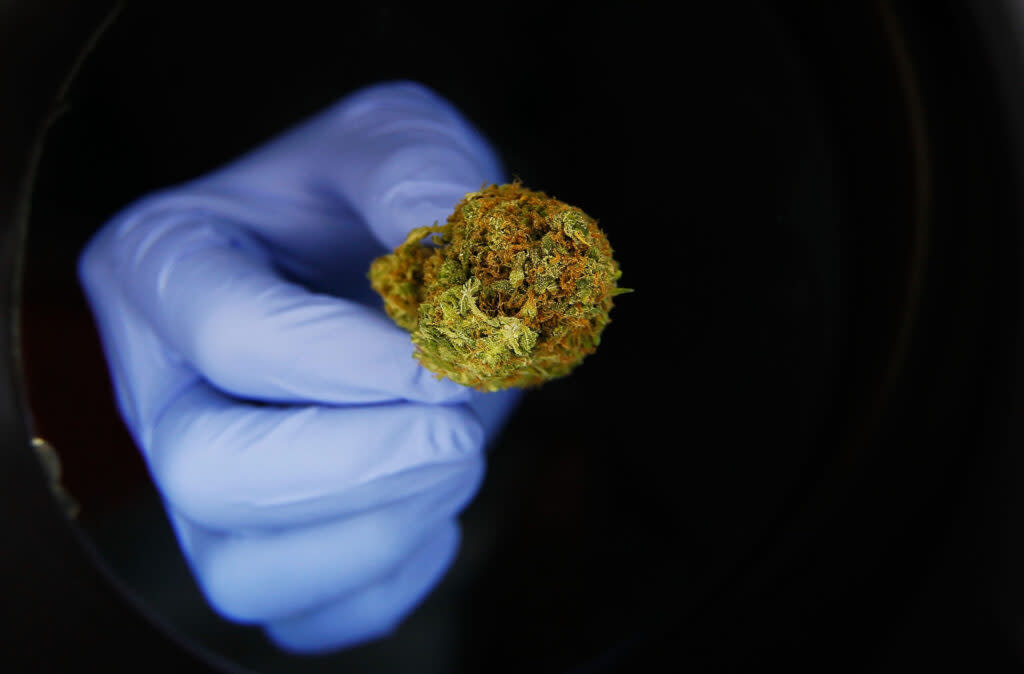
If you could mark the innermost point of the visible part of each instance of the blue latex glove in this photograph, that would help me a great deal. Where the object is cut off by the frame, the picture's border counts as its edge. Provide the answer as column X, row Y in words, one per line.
column 312, row 470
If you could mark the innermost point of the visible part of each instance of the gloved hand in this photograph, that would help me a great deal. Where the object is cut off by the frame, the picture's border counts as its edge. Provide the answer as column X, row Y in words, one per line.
column 312, row 470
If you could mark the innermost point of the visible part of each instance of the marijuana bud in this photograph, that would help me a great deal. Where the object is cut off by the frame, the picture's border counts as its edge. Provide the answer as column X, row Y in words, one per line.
column 513, row 290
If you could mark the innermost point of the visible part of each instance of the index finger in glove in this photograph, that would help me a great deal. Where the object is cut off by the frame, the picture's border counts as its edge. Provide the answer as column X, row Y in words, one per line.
column 209, row 290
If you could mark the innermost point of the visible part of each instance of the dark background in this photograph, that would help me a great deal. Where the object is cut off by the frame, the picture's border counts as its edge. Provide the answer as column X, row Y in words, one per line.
column 796, row 443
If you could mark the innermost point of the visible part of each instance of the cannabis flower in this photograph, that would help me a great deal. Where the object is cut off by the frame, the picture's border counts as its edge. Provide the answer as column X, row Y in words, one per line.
column 513, row 290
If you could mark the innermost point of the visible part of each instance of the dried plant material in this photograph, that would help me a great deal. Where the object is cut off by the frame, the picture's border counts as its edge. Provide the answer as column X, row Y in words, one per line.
column 513, row 290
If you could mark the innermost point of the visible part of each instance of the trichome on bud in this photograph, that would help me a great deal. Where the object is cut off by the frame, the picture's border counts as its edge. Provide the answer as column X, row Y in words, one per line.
column 513, row 290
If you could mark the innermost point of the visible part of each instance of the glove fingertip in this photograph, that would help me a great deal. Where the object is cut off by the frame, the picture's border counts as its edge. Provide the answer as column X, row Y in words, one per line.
column 429, row 388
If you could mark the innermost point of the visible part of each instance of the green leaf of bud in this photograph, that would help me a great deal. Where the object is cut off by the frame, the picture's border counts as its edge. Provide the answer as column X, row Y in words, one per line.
column 515, row 291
